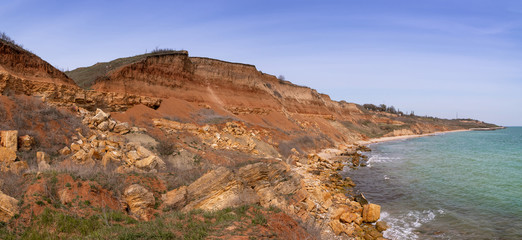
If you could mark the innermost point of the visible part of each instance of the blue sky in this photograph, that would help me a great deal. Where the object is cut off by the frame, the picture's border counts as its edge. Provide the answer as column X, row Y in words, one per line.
column 435, row 57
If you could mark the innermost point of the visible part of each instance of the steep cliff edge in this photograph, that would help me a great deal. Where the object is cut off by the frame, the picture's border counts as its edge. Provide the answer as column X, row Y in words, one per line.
column 22, row 72
column 21, row 63
column 210, row 89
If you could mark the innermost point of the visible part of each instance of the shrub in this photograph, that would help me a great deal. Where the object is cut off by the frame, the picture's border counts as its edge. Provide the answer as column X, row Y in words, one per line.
column 165, row 147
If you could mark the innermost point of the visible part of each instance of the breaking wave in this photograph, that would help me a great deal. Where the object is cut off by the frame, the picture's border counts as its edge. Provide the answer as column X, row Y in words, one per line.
column 404, row 226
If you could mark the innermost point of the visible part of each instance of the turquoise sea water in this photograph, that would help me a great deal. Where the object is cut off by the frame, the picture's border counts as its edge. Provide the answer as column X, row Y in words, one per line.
column 463, row 185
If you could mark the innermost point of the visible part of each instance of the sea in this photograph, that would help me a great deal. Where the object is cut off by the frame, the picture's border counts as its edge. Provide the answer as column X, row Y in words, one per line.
column 460, row 185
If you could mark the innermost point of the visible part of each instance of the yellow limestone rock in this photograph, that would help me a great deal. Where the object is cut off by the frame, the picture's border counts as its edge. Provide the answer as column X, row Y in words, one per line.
column 8, row 207
column 371, row 212
column 151, row 162
column 338, row 227
column 139, row 201
column 9, row 139
column 7, row 155
column 43, row 160
column 65, row 151
column 176, row 198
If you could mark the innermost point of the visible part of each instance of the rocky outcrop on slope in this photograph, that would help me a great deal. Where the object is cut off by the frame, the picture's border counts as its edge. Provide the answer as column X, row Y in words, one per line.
column 105, row 145
column 8, row 207
column 9, row 161
column 20, row 62
column 233, row 136
column 305, row 192
column 62, row 94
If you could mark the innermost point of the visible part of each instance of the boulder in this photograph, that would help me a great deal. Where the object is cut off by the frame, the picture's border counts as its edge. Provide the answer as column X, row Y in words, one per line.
column 75, row 147
column 112, row 124
column 121, row 128
column 339, row 227
column 176, row 198
column 132, row 157
column 9, row 139
column 7, row 155
column 381, row 226
column 218, row 189
column 103, row 126
column 150, row 162
column 100, row 116
column 361, row 199
column 339, row 211
column 8, row 207
column 65, row 151
column 348, row 217
column 143, row 152
column 139, row 201
column 81, row 155
column 371, row 212
column 26, row 142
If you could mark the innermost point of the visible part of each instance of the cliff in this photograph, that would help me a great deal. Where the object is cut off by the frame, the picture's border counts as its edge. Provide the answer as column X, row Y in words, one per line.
column 19, row 62
column 171, row 146
column 240, row 91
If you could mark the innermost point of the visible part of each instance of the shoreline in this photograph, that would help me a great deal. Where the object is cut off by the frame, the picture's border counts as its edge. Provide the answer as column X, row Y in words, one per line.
column 387, row 139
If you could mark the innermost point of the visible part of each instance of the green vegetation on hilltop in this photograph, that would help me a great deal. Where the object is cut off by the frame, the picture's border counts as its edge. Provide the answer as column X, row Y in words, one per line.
column 85, row 76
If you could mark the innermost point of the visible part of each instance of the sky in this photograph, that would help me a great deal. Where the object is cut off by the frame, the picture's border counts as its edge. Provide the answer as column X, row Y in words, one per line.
column 439, row 58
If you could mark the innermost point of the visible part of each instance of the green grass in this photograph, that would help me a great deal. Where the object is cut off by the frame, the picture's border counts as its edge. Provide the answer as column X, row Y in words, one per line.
column 196, row 224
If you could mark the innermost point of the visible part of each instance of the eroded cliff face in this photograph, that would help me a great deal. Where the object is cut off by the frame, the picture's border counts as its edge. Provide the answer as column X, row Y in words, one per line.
column 222, row 89
column 19, row 62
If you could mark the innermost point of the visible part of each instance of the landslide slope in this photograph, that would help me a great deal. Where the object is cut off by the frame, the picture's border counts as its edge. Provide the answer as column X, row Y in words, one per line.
column 202, row 90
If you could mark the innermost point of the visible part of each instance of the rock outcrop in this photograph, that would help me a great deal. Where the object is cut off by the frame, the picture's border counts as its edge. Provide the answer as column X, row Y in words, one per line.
column 139, row 201
column 8, row 207
column 9, row 139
